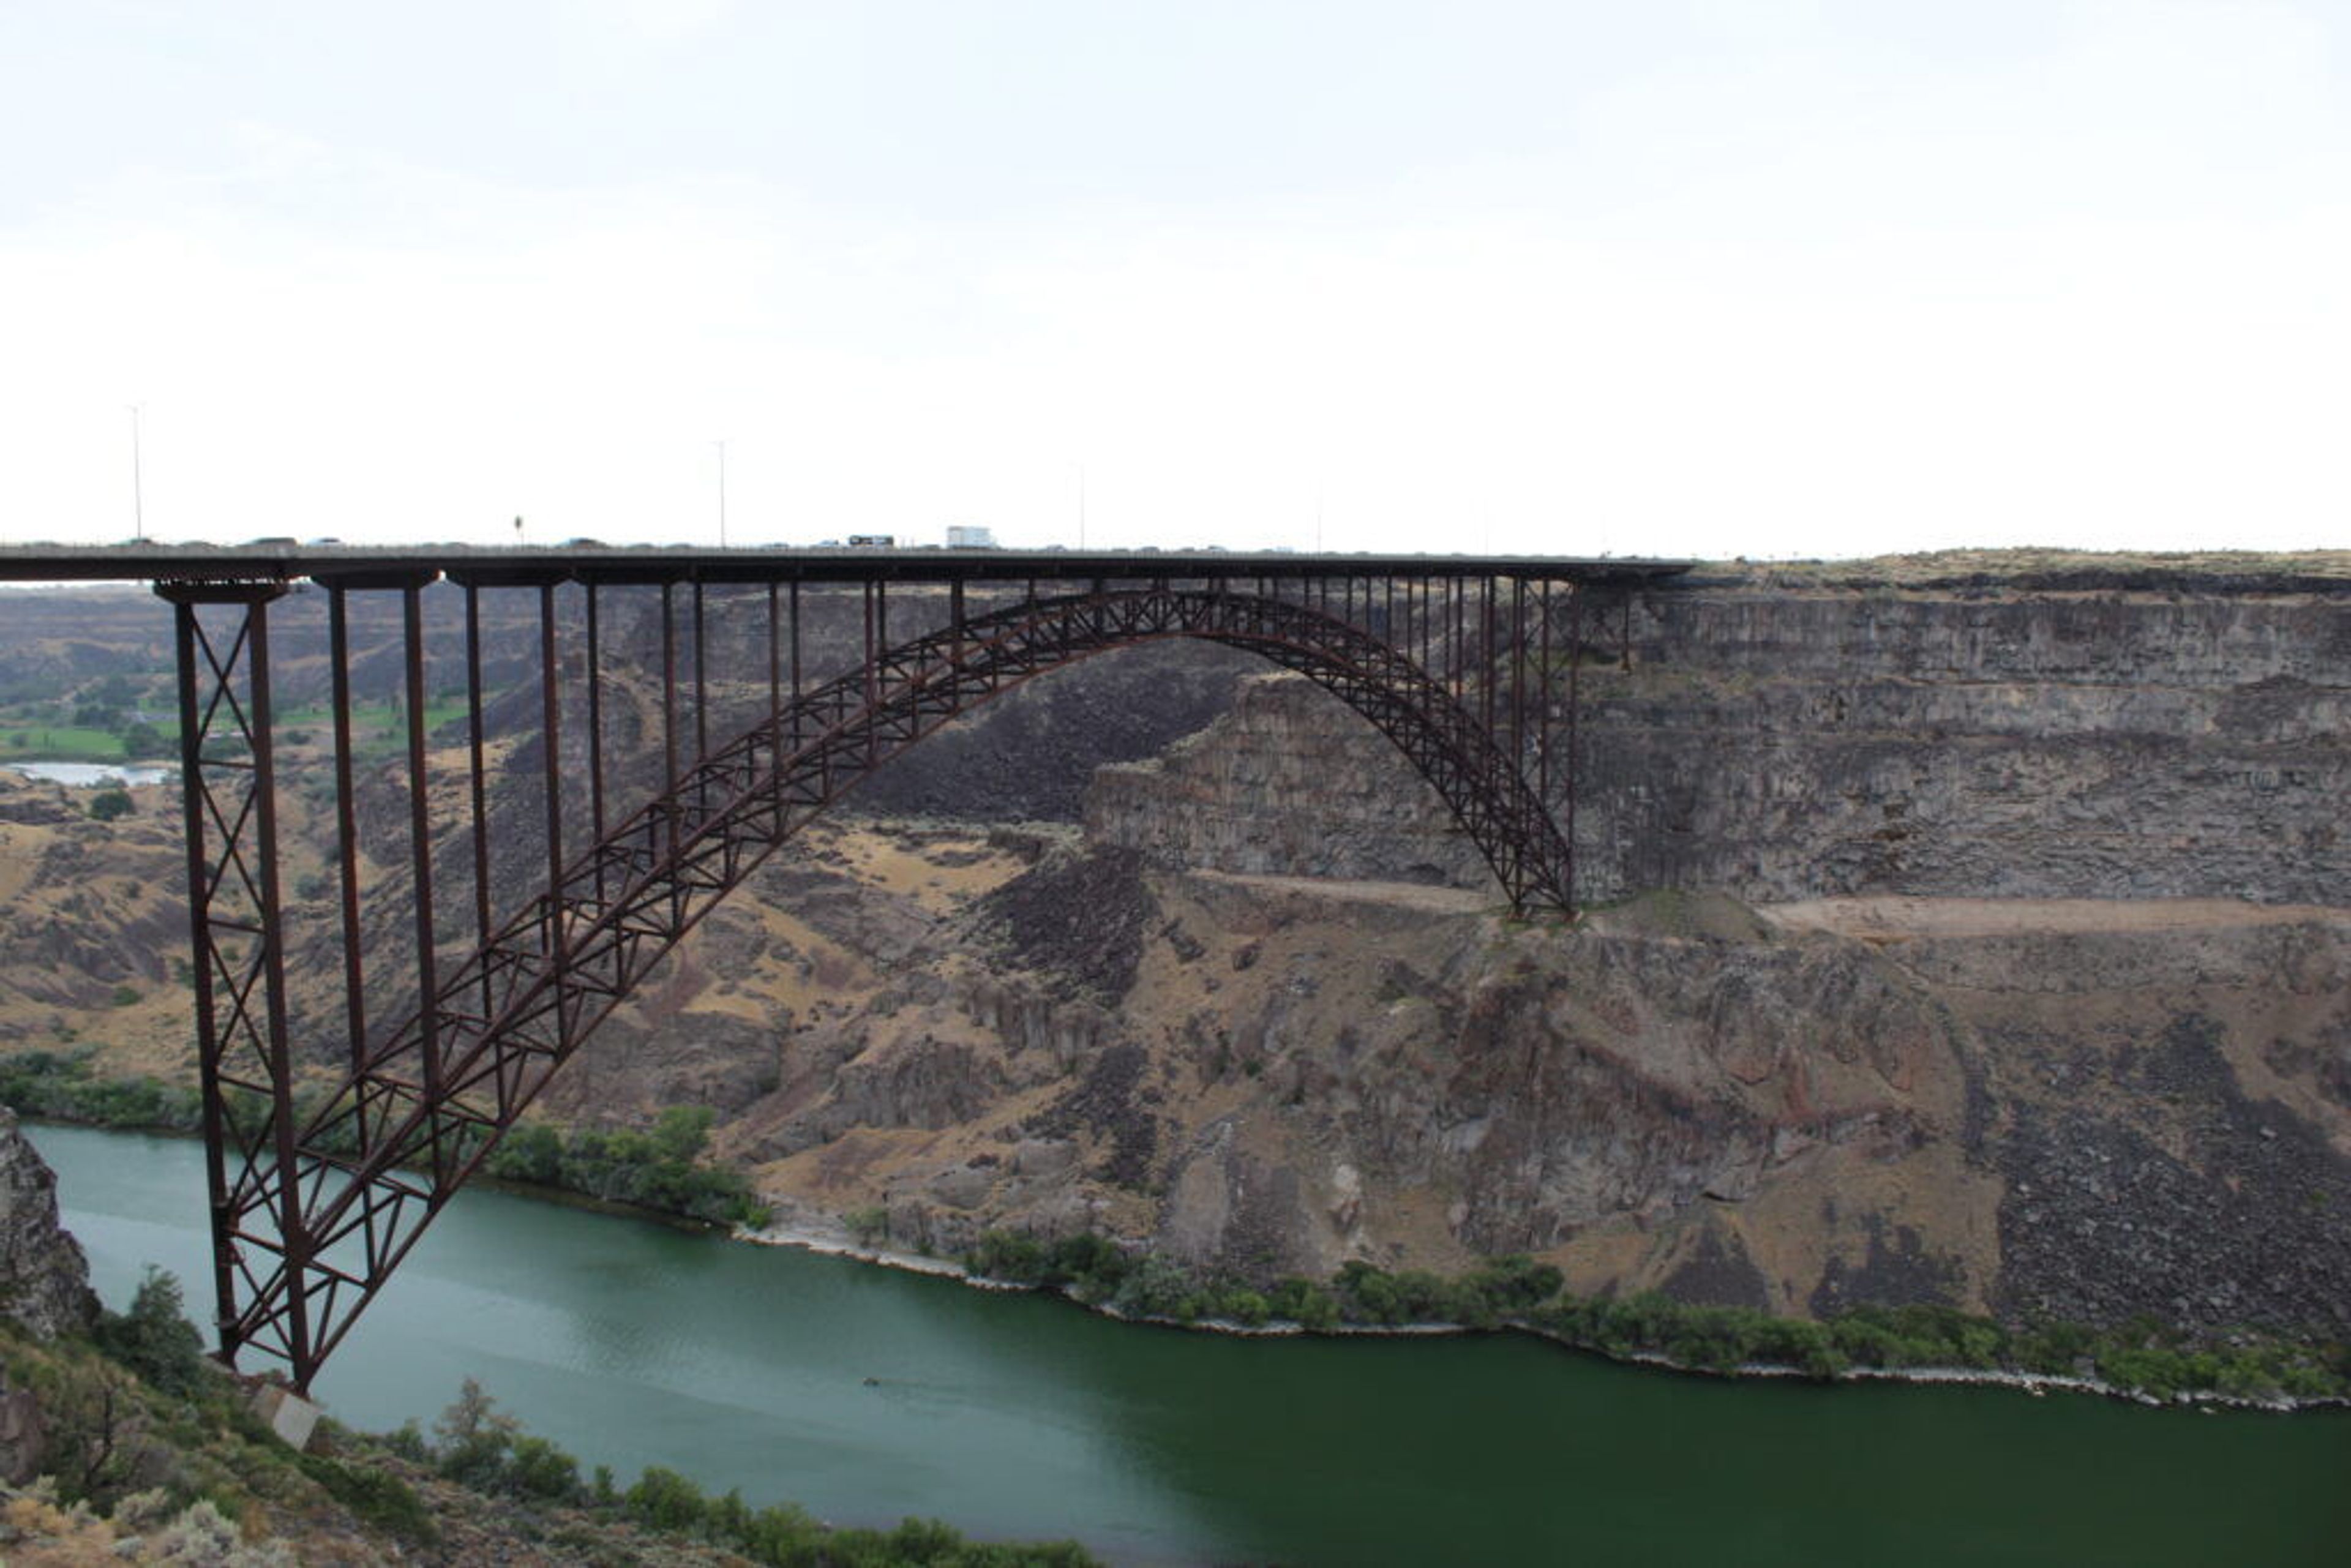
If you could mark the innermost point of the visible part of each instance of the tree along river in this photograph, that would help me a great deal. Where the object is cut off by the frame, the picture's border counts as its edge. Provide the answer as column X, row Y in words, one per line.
column 868, row 1393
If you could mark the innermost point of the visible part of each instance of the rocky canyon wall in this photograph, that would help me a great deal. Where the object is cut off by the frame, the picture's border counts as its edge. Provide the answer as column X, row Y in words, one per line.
column 1784, row 741
column 2085, row 1110
column 44, row 1278
column 1975, row 741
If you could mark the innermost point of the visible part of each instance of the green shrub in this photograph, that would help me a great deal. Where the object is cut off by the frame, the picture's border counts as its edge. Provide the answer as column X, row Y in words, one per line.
column 1305, row 1302
column 1514, row 1284
column 408, row 1443
column 782, row 1533
column 1157, row 1287
column 154, row 1338
column 63, row 1088
column 479, row 1460
column 665, row 1500
column 375, row 1497
column 537, row 1468
column 1087, row 1266
column 1011, row 1256
column 1242, row 1306
column 1865, row 1343
column 531, row 1152
column 1366, row 1294
column 658, row 1169
column 141, row 738
column 2150, row 1370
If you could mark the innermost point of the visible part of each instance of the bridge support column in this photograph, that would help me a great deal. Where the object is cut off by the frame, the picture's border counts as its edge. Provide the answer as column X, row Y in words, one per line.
column 228, row 790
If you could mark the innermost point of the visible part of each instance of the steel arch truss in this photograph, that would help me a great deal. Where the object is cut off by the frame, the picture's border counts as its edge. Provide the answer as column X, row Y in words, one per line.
column 312, row 1213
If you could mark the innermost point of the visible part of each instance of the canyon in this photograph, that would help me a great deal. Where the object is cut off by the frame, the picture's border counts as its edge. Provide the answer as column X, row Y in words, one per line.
column 1972, row 930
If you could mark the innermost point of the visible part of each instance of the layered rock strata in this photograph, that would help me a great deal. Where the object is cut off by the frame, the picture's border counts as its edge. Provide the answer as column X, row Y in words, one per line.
column 1785, row 742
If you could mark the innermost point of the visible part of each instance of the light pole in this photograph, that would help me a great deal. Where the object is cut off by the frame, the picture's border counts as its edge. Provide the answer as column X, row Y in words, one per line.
column 137, row 486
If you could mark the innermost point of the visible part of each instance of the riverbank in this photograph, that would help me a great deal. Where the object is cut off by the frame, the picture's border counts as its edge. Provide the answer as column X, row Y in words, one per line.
column 140, row 1450
column 868, row 1393
column 660, row 1173
column 834, row 1241
column 2259, row 1374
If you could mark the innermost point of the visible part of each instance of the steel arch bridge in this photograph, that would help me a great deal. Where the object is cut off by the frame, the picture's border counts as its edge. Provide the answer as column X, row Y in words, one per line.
column 1467, row 665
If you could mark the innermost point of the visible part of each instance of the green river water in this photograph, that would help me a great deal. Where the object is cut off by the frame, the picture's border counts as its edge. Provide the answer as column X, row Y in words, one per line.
column 632, row 1344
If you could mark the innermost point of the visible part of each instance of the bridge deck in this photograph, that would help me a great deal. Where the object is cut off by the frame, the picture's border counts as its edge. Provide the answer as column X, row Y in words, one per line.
column 356, row 565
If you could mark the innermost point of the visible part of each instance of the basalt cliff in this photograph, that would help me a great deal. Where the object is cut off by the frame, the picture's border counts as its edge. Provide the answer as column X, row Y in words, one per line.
column 1975, row 931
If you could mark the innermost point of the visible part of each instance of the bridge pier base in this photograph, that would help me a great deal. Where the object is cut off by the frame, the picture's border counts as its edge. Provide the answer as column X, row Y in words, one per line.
column 294, row 1418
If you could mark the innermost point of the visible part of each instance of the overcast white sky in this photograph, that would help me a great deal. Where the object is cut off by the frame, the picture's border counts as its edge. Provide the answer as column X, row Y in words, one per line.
column 1711, row 278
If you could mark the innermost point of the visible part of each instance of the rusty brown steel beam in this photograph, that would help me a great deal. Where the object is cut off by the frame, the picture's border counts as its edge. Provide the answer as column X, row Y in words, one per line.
column 775, row 659
column 1543, row 696
column 701, row 677
column 421, row 841
column 593, row 669
column 477, row 785
column 339, row 657
column 550, row 676
column 1574, row 743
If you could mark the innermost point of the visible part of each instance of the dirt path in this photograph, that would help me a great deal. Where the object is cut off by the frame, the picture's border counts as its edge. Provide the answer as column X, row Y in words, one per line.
column 1401, row 895
column 1895, row 918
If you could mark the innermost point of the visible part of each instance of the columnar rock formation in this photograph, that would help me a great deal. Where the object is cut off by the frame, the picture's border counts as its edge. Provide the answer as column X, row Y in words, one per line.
column 1974, row 738
column 2162, row 738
